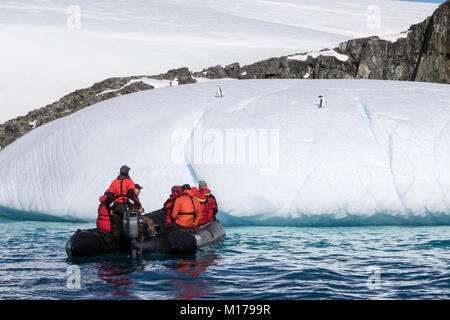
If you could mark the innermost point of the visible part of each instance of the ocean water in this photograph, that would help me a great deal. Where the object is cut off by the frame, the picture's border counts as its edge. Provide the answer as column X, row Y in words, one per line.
column 251, row 263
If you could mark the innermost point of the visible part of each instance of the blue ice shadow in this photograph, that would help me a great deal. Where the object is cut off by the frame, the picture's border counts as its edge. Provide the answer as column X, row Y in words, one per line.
column 19, row 215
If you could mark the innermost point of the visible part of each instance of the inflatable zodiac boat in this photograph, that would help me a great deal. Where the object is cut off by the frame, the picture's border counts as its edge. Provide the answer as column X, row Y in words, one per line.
column 94, row 242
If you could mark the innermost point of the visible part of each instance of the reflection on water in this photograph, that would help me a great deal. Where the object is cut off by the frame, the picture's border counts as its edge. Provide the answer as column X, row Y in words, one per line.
column 186, row 274
column 118, row 277
column 117, row 274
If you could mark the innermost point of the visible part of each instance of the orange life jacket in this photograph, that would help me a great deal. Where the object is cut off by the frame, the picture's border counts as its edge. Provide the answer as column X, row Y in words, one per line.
column 186, row 210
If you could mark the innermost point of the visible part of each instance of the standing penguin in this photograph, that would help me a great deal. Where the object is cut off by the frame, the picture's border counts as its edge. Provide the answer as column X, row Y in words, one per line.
column 218, row 92
column 323, row 102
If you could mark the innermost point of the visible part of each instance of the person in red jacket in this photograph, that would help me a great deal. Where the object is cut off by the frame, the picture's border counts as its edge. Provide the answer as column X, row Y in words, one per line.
column 186, row 211
column 209, row 207
column 203, row 203
column 121, row 197
column 104, row 218
column 122, row 192
column 168, row 205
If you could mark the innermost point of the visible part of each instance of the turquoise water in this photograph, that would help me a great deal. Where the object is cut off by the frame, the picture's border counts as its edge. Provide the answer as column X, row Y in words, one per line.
column 251, row 263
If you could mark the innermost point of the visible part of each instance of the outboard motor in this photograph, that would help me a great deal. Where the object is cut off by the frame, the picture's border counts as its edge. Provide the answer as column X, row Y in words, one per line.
column 133, row 230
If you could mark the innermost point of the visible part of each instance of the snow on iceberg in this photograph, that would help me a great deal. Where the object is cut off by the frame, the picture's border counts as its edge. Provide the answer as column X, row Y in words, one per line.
column 378, row 154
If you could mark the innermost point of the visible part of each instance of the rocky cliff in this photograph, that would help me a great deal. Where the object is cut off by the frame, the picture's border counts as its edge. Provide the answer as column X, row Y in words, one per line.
column 420, row 54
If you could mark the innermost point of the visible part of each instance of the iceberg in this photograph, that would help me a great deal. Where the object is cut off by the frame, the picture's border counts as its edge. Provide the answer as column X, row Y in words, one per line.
column 378, row 154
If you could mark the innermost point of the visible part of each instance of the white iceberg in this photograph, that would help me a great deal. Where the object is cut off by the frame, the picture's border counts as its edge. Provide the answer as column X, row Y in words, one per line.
column 379, row 153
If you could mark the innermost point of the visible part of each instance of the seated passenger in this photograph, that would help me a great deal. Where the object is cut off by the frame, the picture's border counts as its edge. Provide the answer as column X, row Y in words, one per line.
column 198, row 195
column 168, row 205
column 203, row 204
column 137, row 192
column 186, row 211
column 104, row 219
column 209, row 207
column 149, row 224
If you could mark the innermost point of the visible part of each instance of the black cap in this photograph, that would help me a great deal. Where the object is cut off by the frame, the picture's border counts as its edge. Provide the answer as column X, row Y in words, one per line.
column 138, row 186
column 125, row 170
column 185, row 187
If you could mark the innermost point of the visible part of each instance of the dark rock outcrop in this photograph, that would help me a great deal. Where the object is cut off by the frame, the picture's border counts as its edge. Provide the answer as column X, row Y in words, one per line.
column 219, row 72
column 423, row 55
column 182, row 75
column 322, row 67
column 434, row 60
column 77, row 100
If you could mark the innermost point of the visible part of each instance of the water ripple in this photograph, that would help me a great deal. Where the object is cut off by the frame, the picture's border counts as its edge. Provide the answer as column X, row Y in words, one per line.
column 251, row 263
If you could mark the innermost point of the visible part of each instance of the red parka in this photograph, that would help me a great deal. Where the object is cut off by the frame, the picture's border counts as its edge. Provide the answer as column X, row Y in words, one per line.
column 123, row 190
column 168, row 205
column 104, row 216
column 122, row 187
column 209, row 206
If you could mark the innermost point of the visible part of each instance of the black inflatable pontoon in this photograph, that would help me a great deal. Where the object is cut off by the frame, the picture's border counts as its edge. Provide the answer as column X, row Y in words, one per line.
column 94, row 242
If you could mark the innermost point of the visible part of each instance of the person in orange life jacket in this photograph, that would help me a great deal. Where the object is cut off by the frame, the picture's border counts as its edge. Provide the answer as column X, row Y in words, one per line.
column 168, row 205
column 209, row 207
column 186, row 211
column 121, row 197
column 122, row 192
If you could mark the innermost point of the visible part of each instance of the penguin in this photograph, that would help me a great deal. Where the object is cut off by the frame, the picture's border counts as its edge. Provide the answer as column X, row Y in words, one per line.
column 323, row 102
column 218, row 92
